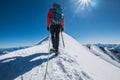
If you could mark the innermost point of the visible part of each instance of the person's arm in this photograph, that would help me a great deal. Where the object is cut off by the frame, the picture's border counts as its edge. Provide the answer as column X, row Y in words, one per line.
column 62, row 21
column 49, row 17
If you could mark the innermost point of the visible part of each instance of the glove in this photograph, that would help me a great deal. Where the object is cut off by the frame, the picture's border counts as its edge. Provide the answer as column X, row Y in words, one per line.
column 48, row 28
column 62, row 29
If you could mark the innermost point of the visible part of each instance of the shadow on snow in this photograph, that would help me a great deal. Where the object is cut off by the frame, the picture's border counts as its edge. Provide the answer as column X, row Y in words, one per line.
column 20, row 65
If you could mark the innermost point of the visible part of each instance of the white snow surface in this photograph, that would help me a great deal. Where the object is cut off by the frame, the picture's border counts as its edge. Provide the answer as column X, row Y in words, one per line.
column 98, row 52
column 75, row 62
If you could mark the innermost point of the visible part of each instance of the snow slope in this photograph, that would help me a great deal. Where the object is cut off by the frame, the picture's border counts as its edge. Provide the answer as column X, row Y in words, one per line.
column 75, row 62
column 105, row 54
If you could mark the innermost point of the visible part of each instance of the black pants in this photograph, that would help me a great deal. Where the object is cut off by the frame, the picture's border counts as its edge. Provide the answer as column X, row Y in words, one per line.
column 55, row 30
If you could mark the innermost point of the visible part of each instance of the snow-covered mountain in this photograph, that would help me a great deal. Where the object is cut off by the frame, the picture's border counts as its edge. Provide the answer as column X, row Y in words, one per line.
column 110, row 50
column 7, row 50
column 114, row 47
column 75, row 62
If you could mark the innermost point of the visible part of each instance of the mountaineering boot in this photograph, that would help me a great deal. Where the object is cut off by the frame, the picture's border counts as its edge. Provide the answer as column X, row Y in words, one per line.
column 57, row 52
column 52, row 50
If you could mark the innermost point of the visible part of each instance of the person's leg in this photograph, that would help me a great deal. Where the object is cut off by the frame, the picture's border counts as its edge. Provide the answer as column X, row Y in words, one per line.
column 57, row 37
column 52, row 30
column 52, row 34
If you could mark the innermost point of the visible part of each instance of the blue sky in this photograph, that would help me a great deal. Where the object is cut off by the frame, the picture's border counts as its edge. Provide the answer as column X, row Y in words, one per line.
column 23, row 22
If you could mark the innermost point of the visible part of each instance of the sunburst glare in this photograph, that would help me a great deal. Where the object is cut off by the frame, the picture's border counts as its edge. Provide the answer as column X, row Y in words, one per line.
column 85, row 5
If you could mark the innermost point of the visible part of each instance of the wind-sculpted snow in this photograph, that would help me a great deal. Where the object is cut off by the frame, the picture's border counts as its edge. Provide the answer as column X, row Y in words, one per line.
column 106, row 54
column 75, row 62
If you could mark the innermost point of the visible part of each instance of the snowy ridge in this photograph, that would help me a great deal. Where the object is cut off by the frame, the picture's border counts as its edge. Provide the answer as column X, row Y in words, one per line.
column 75, row 62
column 110, row 46
column 104, row 55
column 112, row 55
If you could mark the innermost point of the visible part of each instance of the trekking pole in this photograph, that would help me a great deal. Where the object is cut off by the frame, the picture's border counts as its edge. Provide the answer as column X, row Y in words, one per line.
column 49, row 42
column 48, row 57
column 62, row 40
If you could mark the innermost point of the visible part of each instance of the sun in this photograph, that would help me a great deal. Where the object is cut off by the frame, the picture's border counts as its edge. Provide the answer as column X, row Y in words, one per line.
column 85, row 4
